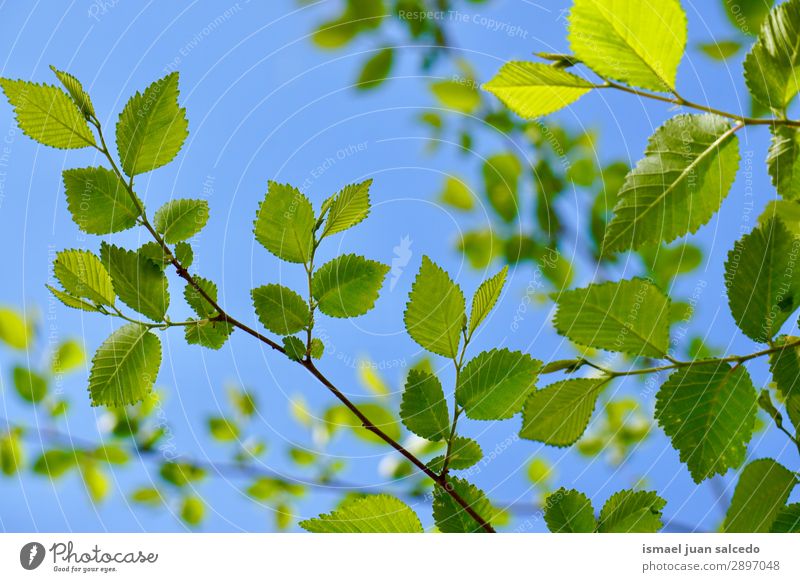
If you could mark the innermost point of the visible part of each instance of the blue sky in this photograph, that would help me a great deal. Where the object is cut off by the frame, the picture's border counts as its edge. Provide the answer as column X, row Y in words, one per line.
column 264, row 104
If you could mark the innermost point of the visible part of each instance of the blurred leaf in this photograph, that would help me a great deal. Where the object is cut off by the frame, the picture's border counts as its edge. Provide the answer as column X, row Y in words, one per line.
column 457, row 194
column 147, row 496
column 375, row 69
column 369, row 514
column 747, row 15
column 68, row 356
column 11, row 457
column 222, row 429
column 30, row 385
column 55, row 463
column 720, row 50
column 461, row 95
column 95, row 480
column 480, row 247
column 501, row 173
column 180, row 474
column 193, row 510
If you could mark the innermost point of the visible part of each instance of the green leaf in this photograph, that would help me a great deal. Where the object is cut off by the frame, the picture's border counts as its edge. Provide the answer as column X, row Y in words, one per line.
column 785, row 367
column 558, row 414
column 485, row 299
column 125, row 366
column 30, row 385
column 640, row 44
column 457, row 194
column 83, row 275
column 460, row 96
column 280, row 309
column 152, row 127
column 376, row 69
column 70, row 301
column 434, row 315
column 629, row 316
column 763, row 285
column 349, row 207
column 295, row 348
column 285, row 223
column 209, row 334
column 569, row 511
column 534, row 89
column 138, row 282
column 222, row 429
column 184, row 253
column 181, row 219
column 96, row 481
column 67, row 357
column 464, row 453
column 11, row 456
column 423, row 408
column 770, row 68
column 631, row 511
column 708, row 411
column 787, row 520
column 348, row 286
column 747, row 15
column 368, row 514
column 317, row 348
column 193, row 510
column 761, row 494
column 495, row 384
column 47, row 115
column 76, row 91
column 340, row 417
column 450, row 517
column 15, row 332
column 55, row 463
column 196, row 301
column 720, row 50
column 501, row 174
column 98, row 201
column 181, row 474
column 689, row 166
column 782, row 161
column 147, row 496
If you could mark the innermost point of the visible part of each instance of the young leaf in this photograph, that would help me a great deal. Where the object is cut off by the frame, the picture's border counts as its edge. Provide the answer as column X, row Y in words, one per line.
column 280, row 309
column 139, row 283
column 348, row 208
column 295, row 348
column 689, row 166
column 495, row 384
column 209, row 334
column 368, row 514
column 629, row 316
column 485, row 298
column 181, row 219
column 285, row 223
column 763, row 285
column 434, row 315
column 125, row 366
column 770, row 66
column 47, row 115
column 152, row 127
column 708, row 411
column 783, row 161
column 83, row 275
column 317, row 348
column 376, row 69
column 464, row 454
column 423, row 408
column 98, row 201
column 785, row 367
column 534, row 89
column 501, row 174
column 30, row 385
column 631, row 511
column 76, row 91
column 348, row 286
column 640, row 44
column 787, row 520
column 558, row 414
column 761, row 493
column 450, row 517
column 569, row 511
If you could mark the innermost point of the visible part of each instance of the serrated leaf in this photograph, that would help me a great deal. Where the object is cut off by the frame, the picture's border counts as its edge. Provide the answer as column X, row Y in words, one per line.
column 464, row 453
column 317, row 348
column 294, row 347
column 280, row 309
column 30, row 385
column 79, row 96
column 209, row 334
column 138, row 282
column 179, row 220
column 640, row 44
column 47, row 114
column 434, row 315
column 423, row 408
column 152, row 127
column 99, row 201
column 495, row 384
column 375, row 69
column 787, row 520
column 763, row 285
column 770, row 66
column 501, row 174
column 368, row 514
column 70, row 301
column 285, row 223
column 785, row 367
column 195, row 299
column 783, row 163
column 631, row 511
column 569, row 511
column 349, row 207
column 760, row 495
column 450, row 517
column 708, row 411
column 125, row 367
column 629, row 316
column 689, row 166
column 534, row 89
column 348, row 286
column 558, row 414
column 82, row 275
column 485, row 299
